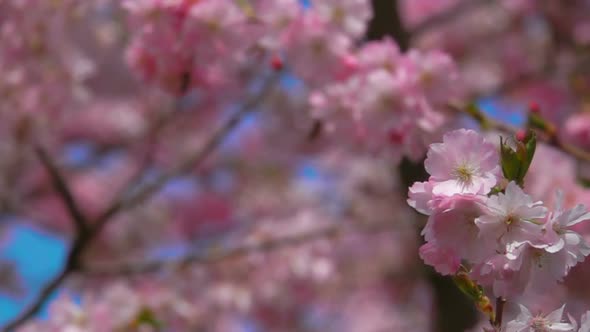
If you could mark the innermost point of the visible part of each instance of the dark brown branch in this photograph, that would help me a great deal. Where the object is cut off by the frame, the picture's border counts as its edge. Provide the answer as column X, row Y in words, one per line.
column 84, row 238
column 387, row 21
column 500, row 302
column 61, row 186
column 50, row 287
column 37, row 305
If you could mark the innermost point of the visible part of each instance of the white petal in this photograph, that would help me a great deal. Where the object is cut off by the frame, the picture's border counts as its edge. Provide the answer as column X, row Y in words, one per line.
column 556, row 315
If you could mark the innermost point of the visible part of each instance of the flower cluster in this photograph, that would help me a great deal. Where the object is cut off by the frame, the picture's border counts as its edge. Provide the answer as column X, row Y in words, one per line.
column 213, row 45
column 389, row 100
column 372, row 94
column 481, row 222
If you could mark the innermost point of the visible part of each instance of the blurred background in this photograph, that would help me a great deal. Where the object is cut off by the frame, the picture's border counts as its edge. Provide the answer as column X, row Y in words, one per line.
column 243, row 165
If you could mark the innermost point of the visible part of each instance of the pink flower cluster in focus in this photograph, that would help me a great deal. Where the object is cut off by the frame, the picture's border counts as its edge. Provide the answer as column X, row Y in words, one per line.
column 505, row 239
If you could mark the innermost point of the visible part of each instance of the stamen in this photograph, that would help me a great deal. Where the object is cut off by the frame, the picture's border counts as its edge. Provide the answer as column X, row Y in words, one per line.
column 539, row 324
column 510, row 219
column 464, row 174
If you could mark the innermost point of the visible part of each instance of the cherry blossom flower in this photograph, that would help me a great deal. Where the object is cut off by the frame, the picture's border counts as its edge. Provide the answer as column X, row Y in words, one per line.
column 561, row 233
column 420, row 197
column 464, row 163
column 527, row 322
column 453, row 227
column 444, row 261
column 513, row 218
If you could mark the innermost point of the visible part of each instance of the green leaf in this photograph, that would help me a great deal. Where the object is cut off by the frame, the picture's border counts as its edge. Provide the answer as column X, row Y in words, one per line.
column 147, row 317
column 509, row 161
column 517, row 158
column 530, row 145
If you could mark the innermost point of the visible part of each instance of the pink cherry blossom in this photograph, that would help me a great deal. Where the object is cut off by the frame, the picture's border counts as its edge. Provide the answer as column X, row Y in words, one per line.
column 560, row 230
column 534, row 268
column 421, row 197
column 452, row 226
column 444, row 261
column 464, row 163
column 513, row 218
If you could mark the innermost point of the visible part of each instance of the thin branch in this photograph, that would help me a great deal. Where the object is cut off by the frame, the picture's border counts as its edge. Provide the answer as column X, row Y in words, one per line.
column 556, row 142
column 124, row 202
column 208, row 258
column 81, row 224
column 63, row 189
column 84, row 238
column 151, row 139
column 581, row 155
column 50, row 287
column 37, row 305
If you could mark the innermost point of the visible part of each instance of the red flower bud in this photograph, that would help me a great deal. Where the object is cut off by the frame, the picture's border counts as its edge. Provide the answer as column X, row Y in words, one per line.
column 276, row 63
column 521, row 135
column 534, row 108
column 396, row 137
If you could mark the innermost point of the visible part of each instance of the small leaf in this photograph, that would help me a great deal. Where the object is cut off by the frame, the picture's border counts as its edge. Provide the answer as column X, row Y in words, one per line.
column 147, row 317
column 516, row 158
column 509, row 161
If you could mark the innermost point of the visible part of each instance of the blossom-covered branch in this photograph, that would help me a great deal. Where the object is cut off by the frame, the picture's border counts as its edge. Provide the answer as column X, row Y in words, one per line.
column 85, row 236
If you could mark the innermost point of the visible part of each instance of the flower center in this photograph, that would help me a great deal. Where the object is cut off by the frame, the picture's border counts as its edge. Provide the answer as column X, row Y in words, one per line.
column 539, row 324
column 510, row 219
column 464, row 174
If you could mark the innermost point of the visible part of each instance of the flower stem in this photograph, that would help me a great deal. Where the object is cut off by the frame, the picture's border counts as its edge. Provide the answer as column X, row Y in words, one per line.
column 500, row 302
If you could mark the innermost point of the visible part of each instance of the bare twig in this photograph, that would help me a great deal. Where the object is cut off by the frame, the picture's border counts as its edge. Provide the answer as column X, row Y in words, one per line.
column 51, row 286
column 38, row 304
column 63, row 189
